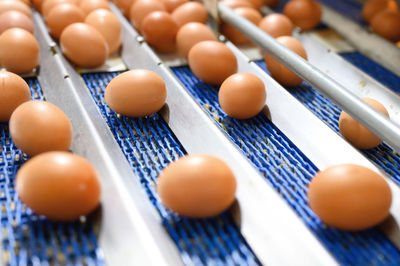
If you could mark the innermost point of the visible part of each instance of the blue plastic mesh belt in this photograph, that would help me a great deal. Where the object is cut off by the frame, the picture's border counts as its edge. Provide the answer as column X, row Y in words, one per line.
column 289, row 171
column 31, row 240
column 149, row 146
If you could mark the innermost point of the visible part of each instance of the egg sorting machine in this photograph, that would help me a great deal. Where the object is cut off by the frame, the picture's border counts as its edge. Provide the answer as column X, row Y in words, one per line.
column 273, row 155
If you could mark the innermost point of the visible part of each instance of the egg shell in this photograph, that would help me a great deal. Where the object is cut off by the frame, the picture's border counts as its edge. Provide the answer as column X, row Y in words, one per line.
column 197, row 186
column 190, row 12
column 16, row 6
column 190, row 34
column 159, row 30
column 371, row 8
column 39, row 126
column 271, row 3
column 125, row 6
column 19, row 51
column 276, row 25
column 26, row 2
column 242, row 95
column 84, row 45
column 387, row 25
column 88, row 6
column 305, row 14
column 37, row 4
column 233, row 34
column 257, row 4
column 13, row 92
column 15, row 19
column 278, row 71
column 237, row 3
column 354, row 132
column 48, row 5
column 212, row 62
column 141, row 8
column 171, row 5
column 108, row 25
column 59, row 185
column 350, row 197
column 61, row 16
column 136, row 93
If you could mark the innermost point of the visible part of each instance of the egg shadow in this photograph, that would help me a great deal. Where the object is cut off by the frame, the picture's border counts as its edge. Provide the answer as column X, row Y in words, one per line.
column 236, row 214
column 164, row 113
column 267, row 112
column 390, row 227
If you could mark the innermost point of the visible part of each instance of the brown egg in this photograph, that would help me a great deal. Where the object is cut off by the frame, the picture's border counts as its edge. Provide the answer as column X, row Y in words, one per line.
column 387, row 25
column 237, row 3
column 279, row 72
column 59, row 185
column 212, row 62
column 190, row 12
column 305, row 14
column 358, row 135
column 141, row 8
column 242, row 95
column 197, row 186
column 271, row 3
column 136, row 93
column 108, row 25
column 48, row 5
column 37, row 4
column 159, row 30
column 88, row 6
column 39, row 126
column 233, row 34
column 191, row 34
column 257, row 4
column 15, row 19
column 350, row 197
column 276, row 25
column 16, row 6
column 171, row 5
column 371, row 8
column 84, row 45
column 125, row 6
column 13, row 92
column 19, row 51
column 26, row 2
column 61, row 16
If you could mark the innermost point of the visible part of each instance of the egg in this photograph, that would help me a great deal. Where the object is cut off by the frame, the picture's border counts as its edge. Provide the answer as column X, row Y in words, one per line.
column 48, row 5
column 136, row 93
column 242, row 95
column 387, row 25
column 233, row 34
column 190, row 34
column 350, row 197
column 371, row 8
column 61, row 16
column 88, row 6
column 171, row 5
column 190, row 12
column 13, row 92
column 271, row 3
column 279, row 72
column 16, row 6
column 276, row 25
column 212, row 62
column 84, row 45
column 237, row 3
column 159, row 30
column 197, row 186
column 257, row 4
column 59, row 185
column 37, row 4
column 305, row 14
column 26, row 2
column 354, row 132
column 125, row 6
column 141, row 8
column 108, row 25
column 15, row 19
column 19, row 51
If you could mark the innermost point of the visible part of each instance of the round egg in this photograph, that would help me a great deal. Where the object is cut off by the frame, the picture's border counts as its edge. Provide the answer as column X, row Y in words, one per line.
column 136, row 93
column 354, row 132
column 305, row 14
column 88, row 6
column 171, row 5
column 159, row 30
column 212, row 62
column 15, row 19
column 13, row 92
column 271, row 3
column 26, row 2
column 387, row 25
column 84, row 45
column 237, row 3
column 125, row 6
column 257, row 4
column 141, row 8
column 61, row 16
column 190, row 34
column 39, row 126
column 190, row 12
column 19, row 51
column 278, row 71
column 59, row 185
column 233, row 34
column 16, row 6
column 371, row 8
column 349, row 197
column 276, row 25
column 108, row 25
column 37, row 4
column 197, row 186
column 48, row 5
column 242, row 95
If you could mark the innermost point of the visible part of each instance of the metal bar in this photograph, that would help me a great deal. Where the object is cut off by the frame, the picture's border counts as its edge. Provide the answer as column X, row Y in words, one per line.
column 368, row 116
